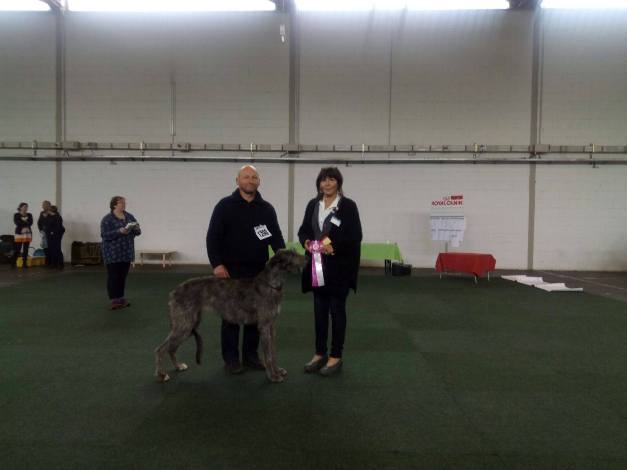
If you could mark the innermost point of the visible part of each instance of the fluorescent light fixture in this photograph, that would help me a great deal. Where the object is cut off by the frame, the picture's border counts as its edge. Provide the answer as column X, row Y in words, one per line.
column 23, row 5
column 170, row 5
column 586, row 4
column 367, row 5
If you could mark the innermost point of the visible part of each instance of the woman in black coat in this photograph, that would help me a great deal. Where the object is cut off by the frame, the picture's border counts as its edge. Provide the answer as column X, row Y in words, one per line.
column 331, row 235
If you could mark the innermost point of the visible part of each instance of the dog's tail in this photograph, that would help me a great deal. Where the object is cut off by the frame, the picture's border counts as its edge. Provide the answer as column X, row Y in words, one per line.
column 198, row 339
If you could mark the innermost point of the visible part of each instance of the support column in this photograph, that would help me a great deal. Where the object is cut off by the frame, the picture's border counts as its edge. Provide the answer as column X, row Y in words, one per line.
column 60, row 113
column 535, row 124
column 291, row 18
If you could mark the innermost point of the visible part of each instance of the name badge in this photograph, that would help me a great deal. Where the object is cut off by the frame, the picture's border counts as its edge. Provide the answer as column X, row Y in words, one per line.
column 335, row 221
column 262, row 232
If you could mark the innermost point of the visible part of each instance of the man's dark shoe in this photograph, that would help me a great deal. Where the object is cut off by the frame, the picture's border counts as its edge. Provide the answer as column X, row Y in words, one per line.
column 313, row 367
column 233, row 368
column 254, row 364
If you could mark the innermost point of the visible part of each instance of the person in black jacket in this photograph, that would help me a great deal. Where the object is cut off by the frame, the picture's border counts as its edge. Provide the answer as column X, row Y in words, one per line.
column 23, row 221
column 54, row 233
column 241, row 228
column 331, row 235
column 41, row 225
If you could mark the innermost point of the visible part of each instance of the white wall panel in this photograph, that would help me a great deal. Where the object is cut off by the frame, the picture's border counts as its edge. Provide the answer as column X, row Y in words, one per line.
column 229, row 74
column 462, row 77
column 231, row 79
column 584, row 91
column 117, row 78
column 581, row 218
column 27, row 76
column 345, row 60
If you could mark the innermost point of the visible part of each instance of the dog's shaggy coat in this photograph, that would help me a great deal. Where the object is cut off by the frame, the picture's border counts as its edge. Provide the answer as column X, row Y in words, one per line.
column 244, row 301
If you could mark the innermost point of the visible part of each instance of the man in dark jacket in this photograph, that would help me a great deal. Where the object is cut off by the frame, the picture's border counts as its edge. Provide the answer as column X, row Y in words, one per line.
column 54, row 234
column 241, row 228
column 41, row 225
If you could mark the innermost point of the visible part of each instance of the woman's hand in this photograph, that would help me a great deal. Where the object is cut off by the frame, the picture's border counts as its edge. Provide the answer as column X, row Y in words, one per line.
column 124, row 231
column 307, row 245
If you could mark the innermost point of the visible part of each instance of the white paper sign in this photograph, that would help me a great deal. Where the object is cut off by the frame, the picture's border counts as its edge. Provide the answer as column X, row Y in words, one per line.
column 262, row 232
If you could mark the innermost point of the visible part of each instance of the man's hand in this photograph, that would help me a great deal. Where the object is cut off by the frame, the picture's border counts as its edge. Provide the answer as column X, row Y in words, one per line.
column 221, row 271
column 327, row 249
column 124, row 231
column 307, row 243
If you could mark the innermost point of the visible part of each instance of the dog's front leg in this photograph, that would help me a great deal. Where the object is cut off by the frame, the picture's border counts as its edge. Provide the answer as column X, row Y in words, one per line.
column 268, row 353
column 279, row 370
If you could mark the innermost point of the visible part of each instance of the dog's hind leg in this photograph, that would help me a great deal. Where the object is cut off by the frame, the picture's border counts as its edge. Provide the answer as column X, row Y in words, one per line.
column 170, row 344
column 161, row 375
column 268, row 352
column 176, row 339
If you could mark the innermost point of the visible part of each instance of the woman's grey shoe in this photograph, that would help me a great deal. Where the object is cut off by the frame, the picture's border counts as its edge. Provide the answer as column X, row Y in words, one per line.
column 315, row 366
column 334, row 369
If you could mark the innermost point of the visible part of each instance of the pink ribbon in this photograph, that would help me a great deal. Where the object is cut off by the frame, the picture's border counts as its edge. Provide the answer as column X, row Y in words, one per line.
column 317, row 276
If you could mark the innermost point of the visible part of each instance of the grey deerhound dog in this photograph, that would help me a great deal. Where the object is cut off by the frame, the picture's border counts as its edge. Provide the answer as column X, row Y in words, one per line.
column 243, row 301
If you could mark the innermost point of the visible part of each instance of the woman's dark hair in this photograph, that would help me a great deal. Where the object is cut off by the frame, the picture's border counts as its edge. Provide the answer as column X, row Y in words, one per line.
column 329, row 172
column 22, row 204
column 114, row 201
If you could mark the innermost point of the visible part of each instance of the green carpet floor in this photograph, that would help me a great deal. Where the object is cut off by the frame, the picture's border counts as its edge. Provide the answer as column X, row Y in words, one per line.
column 438, row 374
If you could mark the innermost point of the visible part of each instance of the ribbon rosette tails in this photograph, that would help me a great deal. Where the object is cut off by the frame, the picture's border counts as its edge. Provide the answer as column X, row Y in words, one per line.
column 317, row 276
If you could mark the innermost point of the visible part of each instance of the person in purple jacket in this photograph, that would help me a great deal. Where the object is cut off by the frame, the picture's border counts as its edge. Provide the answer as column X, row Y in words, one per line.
column 118, row 230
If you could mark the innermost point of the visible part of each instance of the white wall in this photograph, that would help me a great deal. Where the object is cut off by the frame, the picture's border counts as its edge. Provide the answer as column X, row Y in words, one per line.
column 344, row 89
column 584, row 87
column 229, row 71
column 462, row 77
column 27, row 77
column 421, row 78
column 580, row 218
column 457, row 77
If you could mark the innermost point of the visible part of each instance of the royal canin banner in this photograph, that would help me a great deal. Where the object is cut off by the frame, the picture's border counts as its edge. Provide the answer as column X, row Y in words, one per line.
column 454, row 200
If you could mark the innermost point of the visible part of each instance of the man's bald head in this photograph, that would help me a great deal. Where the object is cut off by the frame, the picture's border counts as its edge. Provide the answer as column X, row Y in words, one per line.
column 251, row 167
column 248, row 181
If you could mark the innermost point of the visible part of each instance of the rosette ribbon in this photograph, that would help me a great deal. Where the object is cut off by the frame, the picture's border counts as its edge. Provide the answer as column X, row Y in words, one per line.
column 317, row 276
